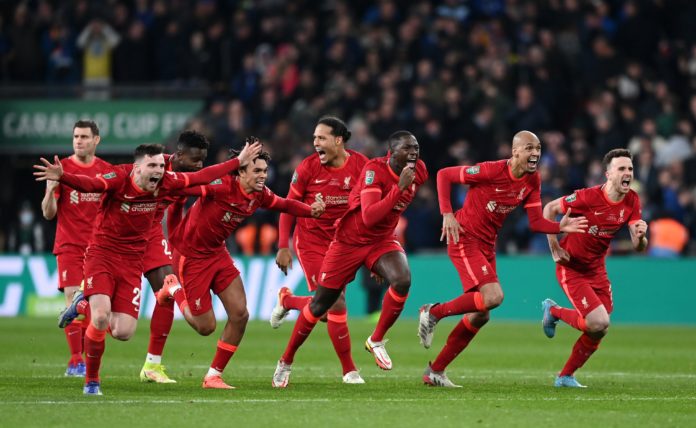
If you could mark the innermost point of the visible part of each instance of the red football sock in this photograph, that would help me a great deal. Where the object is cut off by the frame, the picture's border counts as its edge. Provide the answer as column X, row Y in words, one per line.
column 180, row 299
column 340, row 337
column 458, row 339
column 160, row 326
column 73, row 334
column 222, row 355
column 467, row 302
column 392, row 305
column 582, row 351
column 303, row 328
column 296, row 302
column 570, row 316
column 83, row 308
column 94, row 349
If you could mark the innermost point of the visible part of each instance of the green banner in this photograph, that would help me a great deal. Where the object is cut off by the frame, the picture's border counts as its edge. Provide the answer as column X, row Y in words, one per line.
column 45, row 126
column 645, row 290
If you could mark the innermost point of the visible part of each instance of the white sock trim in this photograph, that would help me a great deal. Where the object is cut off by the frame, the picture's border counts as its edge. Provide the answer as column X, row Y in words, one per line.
column 155, row 359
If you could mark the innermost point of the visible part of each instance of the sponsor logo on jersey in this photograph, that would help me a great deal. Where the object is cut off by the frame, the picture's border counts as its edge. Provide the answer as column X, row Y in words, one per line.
column 369, row 177
column 491, row 205
column 109, row 175
column 74, row 197
column 473, row 170
column 125, row 207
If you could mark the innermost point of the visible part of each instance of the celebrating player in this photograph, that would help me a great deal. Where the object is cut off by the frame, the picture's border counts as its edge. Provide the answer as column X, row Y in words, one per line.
column 114, row 259
column 330, row 173
column 205, row 265
column 495, row 189
column 580, row 259
column 192, row 150
column 365, row 235
column 76, row 212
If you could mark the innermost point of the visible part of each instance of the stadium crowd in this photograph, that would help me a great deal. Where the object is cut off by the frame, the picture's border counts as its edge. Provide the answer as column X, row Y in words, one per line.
column 463, row 76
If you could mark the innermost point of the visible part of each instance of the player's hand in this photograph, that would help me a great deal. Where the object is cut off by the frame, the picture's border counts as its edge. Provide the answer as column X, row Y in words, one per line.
column 407, row 176
column 378, row 279
column 51, row 185
column 318, row 206
column 284, row 260
column 559, row 254
column 450, row 228
column 49, row 171
column 641, row 228
column 573, row 224
column 252, row 148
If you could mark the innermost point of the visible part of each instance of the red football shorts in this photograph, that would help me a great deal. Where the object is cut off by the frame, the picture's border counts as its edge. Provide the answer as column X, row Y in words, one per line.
column 117, row 276
column 158, row 252
column 70, row 263
column 199, row 276
column 310, row 254
column 586, row 290
column 474, row 261
column 342, row 261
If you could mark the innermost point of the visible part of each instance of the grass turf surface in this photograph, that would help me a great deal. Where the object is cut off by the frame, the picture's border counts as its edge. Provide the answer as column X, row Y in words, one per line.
column 640, row 376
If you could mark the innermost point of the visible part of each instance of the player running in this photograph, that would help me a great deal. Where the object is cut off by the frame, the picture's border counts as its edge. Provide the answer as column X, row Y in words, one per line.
column 205, row 265
column 365, row 235
column 76, row 212
column 330, row 173
column 495, row 189
column 192, row 150
column 114, row 259
column 580, row 259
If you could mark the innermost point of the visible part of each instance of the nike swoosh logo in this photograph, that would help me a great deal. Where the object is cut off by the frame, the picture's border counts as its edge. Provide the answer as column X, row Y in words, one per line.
column 72, row 332
column 319, row 181
column 90, row 356
column 499, row 190
column 596, row 213
column 129, row 197
column 343, row 337
column 233, row 204
column 302, row 334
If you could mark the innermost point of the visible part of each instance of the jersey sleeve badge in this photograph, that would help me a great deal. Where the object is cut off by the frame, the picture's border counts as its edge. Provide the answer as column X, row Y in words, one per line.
column 369, row 177
column 473, row 170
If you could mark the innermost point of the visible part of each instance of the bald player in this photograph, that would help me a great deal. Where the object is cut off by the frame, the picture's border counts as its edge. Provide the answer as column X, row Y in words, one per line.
column 496, row 188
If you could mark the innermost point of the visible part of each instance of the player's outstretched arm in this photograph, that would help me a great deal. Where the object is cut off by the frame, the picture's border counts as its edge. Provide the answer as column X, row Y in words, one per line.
column 639, row 237
column 551, row 211
column 54, row 171
column 206, row 175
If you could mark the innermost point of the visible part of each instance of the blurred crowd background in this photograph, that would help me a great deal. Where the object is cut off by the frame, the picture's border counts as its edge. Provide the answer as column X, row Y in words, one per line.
column 462, row 75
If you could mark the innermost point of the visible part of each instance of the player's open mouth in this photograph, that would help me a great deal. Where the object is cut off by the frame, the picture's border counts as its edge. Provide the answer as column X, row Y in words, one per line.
column 154, row 179
column 532, row 162
column 411, row 162
column 625, row 183
column 322, row 154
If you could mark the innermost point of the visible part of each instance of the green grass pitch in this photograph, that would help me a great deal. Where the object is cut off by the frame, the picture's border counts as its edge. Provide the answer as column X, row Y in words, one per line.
column 640, row 376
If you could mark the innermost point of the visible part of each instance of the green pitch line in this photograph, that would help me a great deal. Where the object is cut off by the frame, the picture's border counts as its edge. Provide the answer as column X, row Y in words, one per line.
column 640, row 376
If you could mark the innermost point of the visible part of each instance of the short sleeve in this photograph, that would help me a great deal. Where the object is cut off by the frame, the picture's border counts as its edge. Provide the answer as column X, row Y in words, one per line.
column 636, row 211
column 298, row 184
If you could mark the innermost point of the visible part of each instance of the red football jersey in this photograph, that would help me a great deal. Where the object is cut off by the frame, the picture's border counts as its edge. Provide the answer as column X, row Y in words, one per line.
column 493, row 194
column 377, row 176
column 215, row 215
column 604, row 217
column 77, row 211
column 127, row 212
column 164, row 202
column 334, row 184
